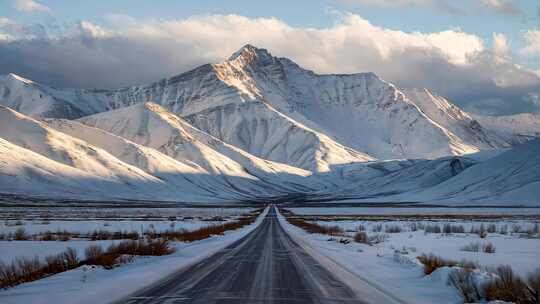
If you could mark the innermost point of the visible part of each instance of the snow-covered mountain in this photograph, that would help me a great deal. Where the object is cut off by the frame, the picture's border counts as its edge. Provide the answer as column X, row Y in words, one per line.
column 507, row 176
column 274, row 109
column 61, row 155
column 517, row 128
column 66, row 158
column 189, row 178
column 258, row 126
column 151, row 125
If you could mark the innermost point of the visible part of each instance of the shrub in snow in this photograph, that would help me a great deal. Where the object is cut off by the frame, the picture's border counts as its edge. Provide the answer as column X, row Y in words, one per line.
column 533, row 282
column 533, row 231
column 503, row 229
column 516, row 228
column 392, row 229
column 23, row 270
column 115, row 254
column 432, row 262
column 377, row 238
column 361, row 237
column 432, row 228
column 314, row 227
column 450, row 228
column 465, row 283
column 20, row 235
column 488, row 248
column 402, row 258
column 472, row 247
column 492, row 228
column 481, row 231
column 507, row 286
column 377, row 228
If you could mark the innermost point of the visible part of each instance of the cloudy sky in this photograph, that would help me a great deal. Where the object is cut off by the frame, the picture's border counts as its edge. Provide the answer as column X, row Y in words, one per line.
column 484, row 55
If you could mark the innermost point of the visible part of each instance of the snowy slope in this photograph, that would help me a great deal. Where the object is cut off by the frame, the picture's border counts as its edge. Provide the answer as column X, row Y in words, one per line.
column 33, row 135
column 386, row 179
column 191, row 179
column 24, row 171
column 454, row 119
column 34, row 99
column 135, row 171
column 258, row 128
column 514, row 128
column 511, row 177
column 150, row 125
column 38, row 160
column 508, row 177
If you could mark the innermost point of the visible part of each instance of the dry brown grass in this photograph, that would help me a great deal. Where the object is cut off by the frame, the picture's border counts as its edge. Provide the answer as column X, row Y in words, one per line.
column 507, row 286
column 20, row 235
column 432, row 262
column 23, row 270
column 184, row 235
column 488, row 248
column 464, row 282
column 316, row 228
column 115, row 253
column 116, row 235
column 450, row 228
column 392, row 229
column 361, row 237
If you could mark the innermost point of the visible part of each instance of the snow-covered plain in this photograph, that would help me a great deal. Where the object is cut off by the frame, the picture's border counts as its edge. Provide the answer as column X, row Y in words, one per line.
column 97, row 285
column 85, row 221
column 420, row 211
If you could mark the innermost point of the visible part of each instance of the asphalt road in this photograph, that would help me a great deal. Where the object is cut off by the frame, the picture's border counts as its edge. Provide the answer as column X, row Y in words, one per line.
column 266, row 266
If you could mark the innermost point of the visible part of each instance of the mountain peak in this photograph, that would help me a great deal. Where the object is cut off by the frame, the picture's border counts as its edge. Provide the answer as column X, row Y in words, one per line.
column 249, row 52
column 16, row 77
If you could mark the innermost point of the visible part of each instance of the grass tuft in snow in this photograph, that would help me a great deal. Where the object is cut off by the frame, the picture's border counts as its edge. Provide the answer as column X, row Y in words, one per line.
column 311, row 227
column 432, row 262
column 95, row 255
column 507, row 286
column 204, row 232
column 23, row 270
column 465, row 283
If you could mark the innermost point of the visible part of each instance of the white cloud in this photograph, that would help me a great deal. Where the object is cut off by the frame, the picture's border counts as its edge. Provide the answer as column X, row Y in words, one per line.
column 454, row 63
column 532, row 38
column 31, row 6
column 500, row 45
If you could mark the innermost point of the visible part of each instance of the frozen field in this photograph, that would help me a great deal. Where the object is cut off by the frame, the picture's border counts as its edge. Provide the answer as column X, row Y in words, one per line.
column 390, row 263
column 520, row 249
column 413, row 211
column 81, row 213
column 35, row 222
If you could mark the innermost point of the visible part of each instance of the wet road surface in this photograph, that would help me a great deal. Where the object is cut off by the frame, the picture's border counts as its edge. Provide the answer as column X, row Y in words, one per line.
column 265, row 266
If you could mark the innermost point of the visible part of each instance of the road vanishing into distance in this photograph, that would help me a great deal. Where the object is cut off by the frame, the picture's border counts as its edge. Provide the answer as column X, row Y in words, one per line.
column 265, row 266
